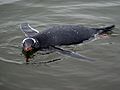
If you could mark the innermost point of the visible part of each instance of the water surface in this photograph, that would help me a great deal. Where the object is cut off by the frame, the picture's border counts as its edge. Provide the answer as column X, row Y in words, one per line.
column 70, row 73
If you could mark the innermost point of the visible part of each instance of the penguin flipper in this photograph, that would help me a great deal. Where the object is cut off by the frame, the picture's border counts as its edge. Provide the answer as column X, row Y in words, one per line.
column 28, row 30
column 73, row 54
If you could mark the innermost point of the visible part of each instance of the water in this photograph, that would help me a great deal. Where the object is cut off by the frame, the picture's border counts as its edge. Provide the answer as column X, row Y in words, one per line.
column 70, row 73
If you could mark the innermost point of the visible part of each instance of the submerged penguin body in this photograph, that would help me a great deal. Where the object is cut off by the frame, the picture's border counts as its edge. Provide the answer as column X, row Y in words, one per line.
column 64, row 35
column 58, row 36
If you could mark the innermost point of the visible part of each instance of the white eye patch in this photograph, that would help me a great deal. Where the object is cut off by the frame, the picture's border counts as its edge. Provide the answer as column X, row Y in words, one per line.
column 27, row 39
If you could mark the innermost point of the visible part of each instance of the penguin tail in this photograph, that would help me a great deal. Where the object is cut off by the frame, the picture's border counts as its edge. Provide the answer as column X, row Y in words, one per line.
column 106, row 29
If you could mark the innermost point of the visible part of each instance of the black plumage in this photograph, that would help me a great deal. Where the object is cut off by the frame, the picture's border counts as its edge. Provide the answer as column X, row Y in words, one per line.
column 57, row 36
column 64, row 35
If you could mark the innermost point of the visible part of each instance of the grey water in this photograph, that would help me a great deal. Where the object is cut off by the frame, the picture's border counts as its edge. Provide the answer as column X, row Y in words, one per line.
column 69, row 73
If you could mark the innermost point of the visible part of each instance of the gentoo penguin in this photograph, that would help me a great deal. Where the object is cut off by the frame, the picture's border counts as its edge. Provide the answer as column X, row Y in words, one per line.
column 56, row 36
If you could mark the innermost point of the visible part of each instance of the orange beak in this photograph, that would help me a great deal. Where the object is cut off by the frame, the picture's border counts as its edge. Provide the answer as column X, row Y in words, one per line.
column 28, row 49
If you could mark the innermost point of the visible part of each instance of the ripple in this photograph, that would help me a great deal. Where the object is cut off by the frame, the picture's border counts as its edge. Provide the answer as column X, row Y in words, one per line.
column 72, row 5
column 14, row 38
column 7, row 1
column 10, row 61
column 89, row 5
column 93, row 17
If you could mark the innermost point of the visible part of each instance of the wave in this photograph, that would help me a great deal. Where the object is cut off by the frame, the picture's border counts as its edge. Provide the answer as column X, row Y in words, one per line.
column 89, row 5
column 7, row 1
column 88, row 16
column 10, row 61
column 71, row 5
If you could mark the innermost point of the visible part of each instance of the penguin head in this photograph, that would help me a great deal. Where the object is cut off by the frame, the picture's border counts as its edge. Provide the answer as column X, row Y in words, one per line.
column 28, row 44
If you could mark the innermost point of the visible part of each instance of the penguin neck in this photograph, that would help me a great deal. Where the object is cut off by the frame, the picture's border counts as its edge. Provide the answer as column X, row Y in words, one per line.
column 42, row 41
